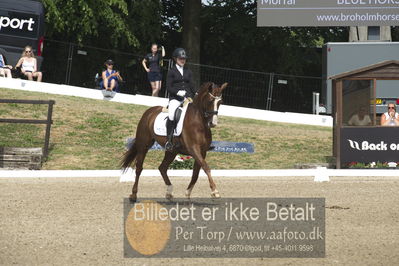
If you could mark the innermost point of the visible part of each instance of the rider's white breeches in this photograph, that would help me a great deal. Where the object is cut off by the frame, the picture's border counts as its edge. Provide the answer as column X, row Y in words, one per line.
column 173, row 105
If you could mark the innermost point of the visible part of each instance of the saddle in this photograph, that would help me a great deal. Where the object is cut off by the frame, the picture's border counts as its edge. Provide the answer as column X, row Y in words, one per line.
column 160, row 120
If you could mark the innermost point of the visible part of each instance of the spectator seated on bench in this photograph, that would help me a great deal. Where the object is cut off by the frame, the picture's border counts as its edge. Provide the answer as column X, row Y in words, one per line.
column 98, row 82
column 5, row 70
column 28, row 64
column 110, row 77
column 98, row 85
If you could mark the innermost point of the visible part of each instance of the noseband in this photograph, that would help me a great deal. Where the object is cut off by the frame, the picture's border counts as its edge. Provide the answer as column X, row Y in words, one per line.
column 210, row 113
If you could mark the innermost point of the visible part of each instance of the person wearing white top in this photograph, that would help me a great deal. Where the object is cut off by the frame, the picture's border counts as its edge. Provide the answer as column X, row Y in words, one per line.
column 28, row 64
column 360, row 118
column 390, row 118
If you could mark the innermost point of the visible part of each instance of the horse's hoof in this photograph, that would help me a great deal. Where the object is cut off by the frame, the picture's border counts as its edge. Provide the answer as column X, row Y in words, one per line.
column 132, row 199
column 169, row 196
column 188, row 193
column 215, row 194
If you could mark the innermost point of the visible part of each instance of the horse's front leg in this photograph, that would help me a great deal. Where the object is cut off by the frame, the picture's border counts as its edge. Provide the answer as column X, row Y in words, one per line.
column 163, row 168
column 200, row 158
column 194, row 178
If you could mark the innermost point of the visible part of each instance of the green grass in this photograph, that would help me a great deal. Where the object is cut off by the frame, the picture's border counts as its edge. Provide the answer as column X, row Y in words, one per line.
column 90, row 134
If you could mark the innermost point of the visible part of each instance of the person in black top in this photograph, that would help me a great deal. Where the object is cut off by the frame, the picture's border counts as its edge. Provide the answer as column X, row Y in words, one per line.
column 154, row 60
column 179, row 84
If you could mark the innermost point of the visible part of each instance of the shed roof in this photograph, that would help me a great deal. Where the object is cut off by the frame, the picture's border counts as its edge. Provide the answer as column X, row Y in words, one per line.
column 388, row 69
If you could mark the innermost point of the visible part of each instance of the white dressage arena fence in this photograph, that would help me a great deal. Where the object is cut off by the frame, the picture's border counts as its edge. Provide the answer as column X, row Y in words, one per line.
column 320, row 174
column 225, row 110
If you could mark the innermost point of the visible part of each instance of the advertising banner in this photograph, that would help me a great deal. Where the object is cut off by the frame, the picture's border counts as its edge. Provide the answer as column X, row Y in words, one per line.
column 327, row 13
column 369, row 144
column 219, row 146
column 20, row 24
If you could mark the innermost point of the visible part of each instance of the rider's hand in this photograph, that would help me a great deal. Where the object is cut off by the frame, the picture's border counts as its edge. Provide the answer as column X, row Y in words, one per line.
column 181, row 93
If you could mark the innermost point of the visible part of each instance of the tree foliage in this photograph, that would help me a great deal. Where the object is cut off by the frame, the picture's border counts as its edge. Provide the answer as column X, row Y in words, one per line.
column 145, row 22
column 172, row 24
column 114, row 23
column 231, row 38
column 229, row 35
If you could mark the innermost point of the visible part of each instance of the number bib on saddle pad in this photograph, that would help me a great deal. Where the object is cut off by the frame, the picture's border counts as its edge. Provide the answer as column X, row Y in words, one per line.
column 160, row 122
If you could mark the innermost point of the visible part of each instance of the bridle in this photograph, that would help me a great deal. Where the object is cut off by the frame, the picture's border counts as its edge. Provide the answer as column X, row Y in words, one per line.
column 210, row 113
column 215, row 111
column 216, row 100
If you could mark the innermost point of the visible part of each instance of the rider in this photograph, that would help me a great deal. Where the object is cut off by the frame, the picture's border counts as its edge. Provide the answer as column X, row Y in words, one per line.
column 179, row 84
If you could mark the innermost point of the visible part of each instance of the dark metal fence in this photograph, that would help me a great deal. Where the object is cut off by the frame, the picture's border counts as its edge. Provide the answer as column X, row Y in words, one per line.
column 67, row 63
column 261, row 90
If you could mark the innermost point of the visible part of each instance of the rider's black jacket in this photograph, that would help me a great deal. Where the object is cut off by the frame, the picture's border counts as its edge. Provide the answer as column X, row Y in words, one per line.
column 175, row 82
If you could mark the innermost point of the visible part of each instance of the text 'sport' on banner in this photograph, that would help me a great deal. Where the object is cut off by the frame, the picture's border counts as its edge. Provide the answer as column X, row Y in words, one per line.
column 315, row 13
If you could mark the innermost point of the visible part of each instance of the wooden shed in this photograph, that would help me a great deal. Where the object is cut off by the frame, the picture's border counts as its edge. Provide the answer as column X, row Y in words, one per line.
column 360, row 98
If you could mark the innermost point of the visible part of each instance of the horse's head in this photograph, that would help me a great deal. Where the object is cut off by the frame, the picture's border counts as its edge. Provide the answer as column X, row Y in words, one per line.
column 208, row 100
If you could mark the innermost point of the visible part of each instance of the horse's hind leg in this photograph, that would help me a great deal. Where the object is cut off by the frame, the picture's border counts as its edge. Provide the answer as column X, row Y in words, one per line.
column 163, row 168
column 194, row 178
column 139, row 168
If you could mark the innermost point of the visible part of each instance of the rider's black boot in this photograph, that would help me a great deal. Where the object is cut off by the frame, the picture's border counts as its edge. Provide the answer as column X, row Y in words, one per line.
column 170, row 127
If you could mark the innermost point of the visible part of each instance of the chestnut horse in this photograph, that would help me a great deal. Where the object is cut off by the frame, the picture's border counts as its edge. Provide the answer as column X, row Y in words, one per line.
column 195, row 139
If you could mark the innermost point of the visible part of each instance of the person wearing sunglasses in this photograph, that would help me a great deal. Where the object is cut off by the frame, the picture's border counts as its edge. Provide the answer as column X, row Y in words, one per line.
column 28, row 65
column 110, row 77
column 391, row 117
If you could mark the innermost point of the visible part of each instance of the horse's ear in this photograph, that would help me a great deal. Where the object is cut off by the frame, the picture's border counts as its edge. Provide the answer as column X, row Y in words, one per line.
column 224, row 86
column 210, row 86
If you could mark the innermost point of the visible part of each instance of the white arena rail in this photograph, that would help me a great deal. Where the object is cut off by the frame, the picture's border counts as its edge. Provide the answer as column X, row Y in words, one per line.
column 320, row 174
column 225, row 110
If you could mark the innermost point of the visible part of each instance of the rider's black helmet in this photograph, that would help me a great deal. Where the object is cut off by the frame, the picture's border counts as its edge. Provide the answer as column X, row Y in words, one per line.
column 179, row 53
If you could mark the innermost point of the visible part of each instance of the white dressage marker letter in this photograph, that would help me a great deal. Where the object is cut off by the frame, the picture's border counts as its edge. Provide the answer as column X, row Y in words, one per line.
column 321, row 175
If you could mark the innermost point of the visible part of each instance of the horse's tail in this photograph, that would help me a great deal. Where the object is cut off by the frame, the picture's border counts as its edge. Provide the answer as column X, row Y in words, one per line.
column 130, row 156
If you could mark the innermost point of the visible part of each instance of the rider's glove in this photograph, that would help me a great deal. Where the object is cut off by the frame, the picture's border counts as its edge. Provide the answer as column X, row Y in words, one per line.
column 181, row 93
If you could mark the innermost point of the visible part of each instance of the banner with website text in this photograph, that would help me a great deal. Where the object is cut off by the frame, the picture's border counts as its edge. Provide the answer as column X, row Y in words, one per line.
column 327, row 13
column 225, row 228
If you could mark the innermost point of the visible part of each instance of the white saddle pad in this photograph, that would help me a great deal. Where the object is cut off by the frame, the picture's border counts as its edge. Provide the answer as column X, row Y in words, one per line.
column 160, row 123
